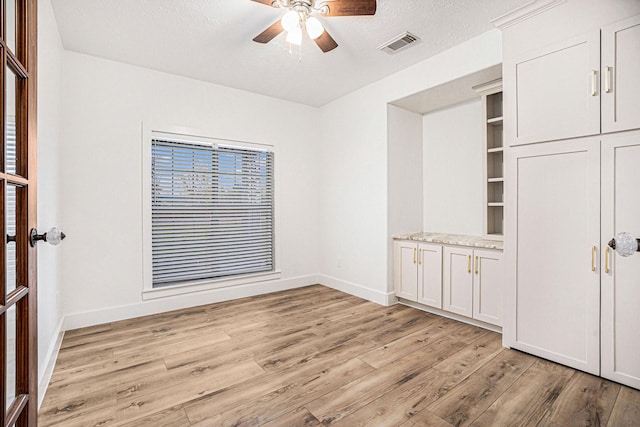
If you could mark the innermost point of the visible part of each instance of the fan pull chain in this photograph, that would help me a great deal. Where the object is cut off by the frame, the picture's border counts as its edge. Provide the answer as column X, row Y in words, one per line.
column 299, row 51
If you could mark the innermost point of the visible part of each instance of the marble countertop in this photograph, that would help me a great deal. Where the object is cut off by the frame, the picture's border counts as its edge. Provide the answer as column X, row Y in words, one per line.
column 452, row 239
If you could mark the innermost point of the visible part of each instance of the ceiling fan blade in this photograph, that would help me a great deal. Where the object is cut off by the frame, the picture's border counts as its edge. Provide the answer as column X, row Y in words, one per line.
column 351, row 7
column 267, row 2
column 270, row 33
column 326, row 42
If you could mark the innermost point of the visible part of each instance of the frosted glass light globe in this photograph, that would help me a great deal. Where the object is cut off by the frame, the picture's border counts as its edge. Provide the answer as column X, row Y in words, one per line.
column 295, row 36
column 290, row 21
column 626, row 244
column 314, row 27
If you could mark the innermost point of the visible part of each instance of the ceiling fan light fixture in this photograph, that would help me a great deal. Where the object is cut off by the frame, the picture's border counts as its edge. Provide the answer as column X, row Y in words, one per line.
column 291, row 20
column 295, row 36
column 314, row 27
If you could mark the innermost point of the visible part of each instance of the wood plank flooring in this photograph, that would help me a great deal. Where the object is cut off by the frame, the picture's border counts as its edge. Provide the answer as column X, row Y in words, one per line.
column 315, row 356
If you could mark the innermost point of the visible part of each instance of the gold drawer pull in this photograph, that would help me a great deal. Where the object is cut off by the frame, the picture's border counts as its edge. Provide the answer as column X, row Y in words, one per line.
column 606, row 259
column 476, row 264
column 468, row 263
column 419, row 256
column 414, row 255
column 593, row 258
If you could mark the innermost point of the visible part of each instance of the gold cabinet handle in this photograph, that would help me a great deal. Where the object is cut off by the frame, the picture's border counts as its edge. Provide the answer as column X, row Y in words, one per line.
column 607, row 79
column 419, row 256
column 414, row 255
column 594, row 82
column 468, row 263
column 593, row 258
column 606, row 259
column 476, row 264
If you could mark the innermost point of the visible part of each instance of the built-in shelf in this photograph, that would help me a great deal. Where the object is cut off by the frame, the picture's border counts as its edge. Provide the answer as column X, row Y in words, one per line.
column 495, row 121
column 493, row 214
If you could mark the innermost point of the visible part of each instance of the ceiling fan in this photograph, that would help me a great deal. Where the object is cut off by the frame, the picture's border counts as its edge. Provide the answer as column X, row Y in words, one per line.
column 301, row 17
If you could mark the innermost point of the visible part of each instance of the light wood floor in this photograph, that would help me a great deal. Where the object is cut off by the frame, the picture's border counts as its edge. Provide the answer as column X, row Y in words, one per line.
column 315, row 356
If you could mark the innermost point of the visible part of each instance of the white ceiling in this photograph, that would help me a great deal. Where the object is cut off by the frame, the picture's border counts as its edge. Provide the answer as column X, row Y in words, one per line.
column 450, row 93
column 210, row 40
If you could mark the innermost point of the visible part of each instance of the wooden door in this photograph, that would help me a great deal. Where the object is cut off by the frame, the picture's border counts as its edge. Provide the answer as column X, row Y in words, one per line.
column 553, row 276
column 18, row 322
column 488, row 286
column 621, row 283
column 405, row 271
column 430, row 275
column 556, row 91
column 620, row 75
column 458, row 280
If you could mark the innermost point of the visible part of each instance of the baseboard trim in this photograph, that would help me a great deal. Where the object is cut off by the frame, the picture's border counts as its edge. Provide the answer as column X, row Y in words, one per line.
column 369, row 294
column 46, row 371
column 160, row 305
column 450, row 315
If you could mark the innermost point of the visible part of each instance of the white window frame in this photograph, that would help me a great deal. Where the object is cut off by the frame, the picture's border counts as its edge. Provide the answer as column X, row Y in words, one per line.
column 150, row 132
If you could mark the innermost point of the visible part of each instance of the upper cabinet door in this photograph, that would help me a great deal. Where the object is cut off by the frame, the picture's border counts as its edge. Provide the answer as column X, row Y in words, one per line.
column 556, row 92
column 621, row 75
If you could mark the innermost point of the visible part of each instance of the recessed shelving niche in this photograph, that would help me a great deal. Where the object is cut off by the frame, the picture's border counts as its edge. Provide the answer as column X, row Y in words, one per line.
column 493, row 213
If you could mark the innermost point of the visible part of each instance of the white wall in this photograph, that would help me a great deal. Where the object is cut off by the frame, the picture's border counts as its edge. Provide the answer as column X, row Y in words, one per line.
column 49, row 140
column 353, row 159
column 105, row 104
column 405, row 182
column 453, row 173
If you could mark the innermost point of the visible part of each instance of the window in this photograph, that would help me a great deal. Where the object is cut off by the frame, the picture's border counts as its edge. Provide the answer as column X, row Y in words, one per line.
column 212, row 211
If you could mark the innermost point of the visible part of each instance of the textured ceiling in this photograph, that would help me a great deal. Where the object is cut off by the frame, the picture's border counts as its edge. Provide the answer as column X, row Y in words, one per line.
column 210, row 40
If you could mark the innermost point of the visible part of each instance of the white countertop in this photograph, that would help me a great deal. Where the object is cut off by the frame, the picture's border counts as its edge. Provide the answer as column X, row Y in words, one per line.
column 452, row 239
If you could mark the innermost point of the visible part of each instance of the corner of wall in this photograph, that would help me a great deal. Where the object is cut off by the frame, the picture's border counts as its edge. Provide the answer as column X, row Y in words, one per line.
column 49, row 363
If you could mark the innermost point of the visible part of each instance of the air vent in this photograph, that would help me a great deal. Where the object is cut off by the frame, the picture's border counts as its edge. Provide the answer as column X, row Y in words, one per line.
column 399, row 43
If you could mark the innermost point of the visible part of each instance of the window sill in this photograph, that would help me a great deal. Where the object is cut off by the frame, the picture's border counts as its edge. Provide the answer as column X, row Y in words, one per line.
column 207, row 285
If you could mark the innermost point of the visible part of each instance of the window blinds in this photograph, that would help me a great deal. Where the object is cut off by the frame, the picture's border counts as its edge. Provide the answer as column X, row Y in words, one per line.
column 212, row 211
column 10, row 203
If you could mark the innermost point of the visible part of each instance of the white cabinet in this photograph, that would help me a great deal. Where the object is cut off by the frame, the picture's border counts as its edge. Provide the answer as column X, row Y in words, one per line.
column 553, row 92
column 620, row 284
column 430, row 275
column 473, row 283
column 418, row 272
column 569, row 298
column 621, row 75
column 405, row 269
column 458, row 281
column 488, row 286
column 568, row 90
column 553, row 297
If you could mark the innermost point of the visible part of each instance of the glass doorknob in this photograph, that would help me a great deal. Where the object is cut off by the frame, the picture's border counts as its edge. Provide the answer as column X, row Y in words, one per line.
column 54, row 236
column 625, row 244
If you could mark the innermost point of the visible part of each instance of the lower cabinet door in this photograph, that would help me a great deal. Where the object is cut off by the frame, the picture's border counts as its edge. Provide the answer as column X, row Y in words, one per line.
column 620, row 288
column 458, row 281
column 405, row 269
column 553, row 232
column 430, row 275
column 488, row 286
